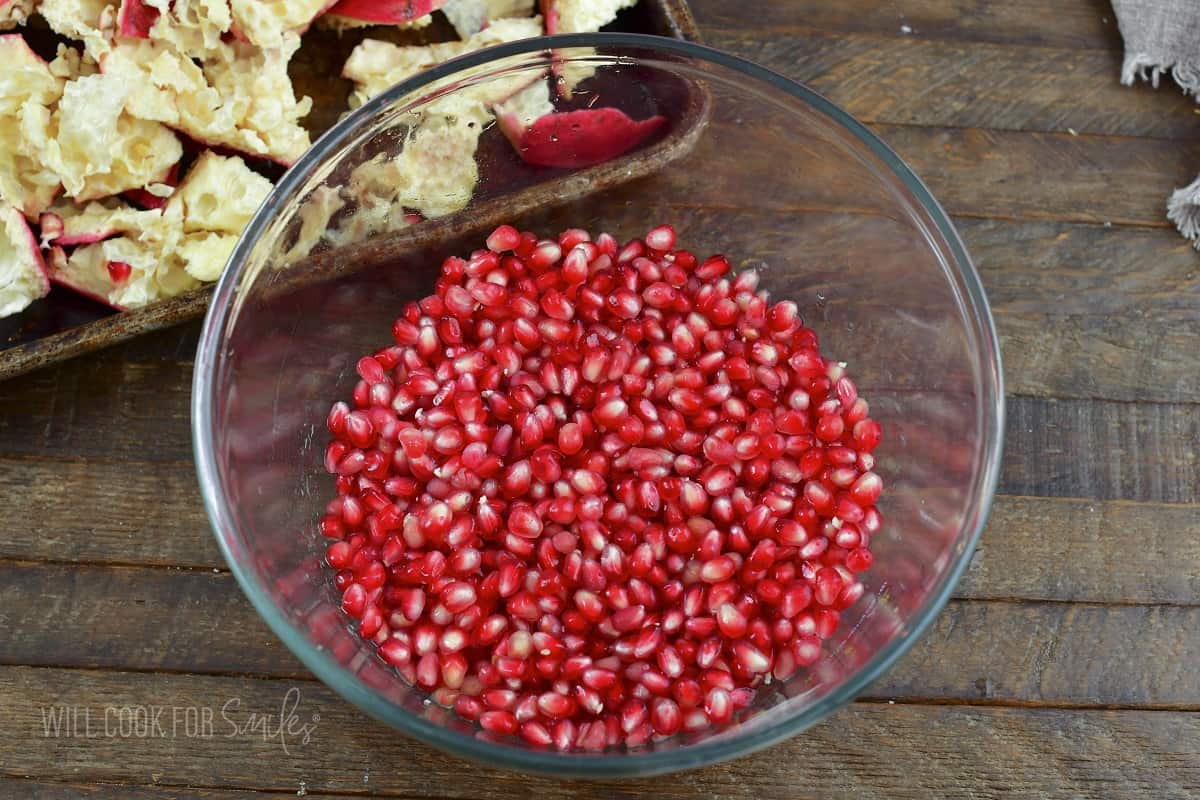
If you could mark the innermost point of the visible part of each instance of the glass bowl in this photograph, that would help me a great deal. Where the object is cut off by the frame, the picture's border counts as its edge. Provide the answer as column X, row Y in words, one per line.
column 749, row 164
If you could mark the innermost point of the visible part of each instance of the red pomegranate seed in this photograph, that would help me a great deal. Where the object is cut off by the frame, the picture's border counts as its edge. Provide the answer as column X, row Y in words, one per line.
column 502, row 722
column 750, row 658
column 866, row 489
column 506, row 237
column 665, row 716
column 536, row 734
column 661, row 238
column 596, row 495
column 395, row 652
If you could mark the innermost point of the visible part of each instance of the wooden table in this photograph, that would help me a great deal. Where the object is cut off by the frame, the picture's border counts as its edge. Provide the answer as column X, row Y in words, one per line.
column 1067, row 666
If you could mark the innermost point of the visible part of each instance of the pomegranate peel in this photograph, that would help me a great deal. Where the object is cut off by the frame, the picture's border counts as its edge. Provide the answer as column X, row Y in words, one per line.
column 135, row 19
column 574, row 139
column 581, row 16
column 376, row 65
column 469, row 17
column 23, row 276
column 385, row 12
column 155, row 195
column 29, row 92
column 269, row 24
column 15, row 12
column 120, row 272
column 577, row 16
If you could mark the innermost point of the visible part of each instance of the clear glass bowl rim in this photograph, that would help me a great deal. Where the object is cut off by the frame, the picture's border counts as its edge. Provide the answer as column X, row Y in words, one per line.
column 602, row 765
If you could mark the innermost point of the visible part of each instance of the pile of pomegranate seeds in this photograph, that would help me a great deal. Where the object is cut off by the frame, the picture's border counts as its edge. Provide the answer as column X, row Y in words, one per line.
column 595, row 495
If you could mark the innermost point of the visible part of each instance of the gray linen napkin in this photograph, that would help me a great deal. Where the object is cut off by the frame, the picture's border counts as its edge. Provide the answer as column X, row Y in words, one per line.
column 1163, row 36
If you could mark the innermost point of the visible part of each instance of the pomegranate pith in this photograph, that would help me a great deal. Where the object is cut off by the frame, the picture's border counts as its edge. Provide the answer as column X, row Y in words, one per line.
column 596, row 495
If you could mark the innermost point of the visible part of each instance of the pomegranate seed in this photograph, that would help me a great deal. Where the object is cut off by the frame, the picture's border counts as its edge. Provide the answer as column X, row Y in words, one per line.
column 867, row 434
column 395, row 652
column 661, row 238
column 502, row 722
column 505, row 237
column 859, row 559
column 718, row 706
column 595, row 494
column 665, row 716
column 750, row 658
column 866, row 489
column 536, row 734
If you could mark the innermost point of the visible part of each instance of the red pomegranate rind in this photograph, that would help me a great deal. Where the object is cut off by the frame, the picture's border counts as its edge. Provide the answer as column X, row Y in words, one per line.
column 135, row 19
column 385, row 12
column 196, row 146
column 19, row 252
column 51, row 227
column 549, row 15
column 597, row 495
column 60, row 275
column 237, row 33
column 574, row 139
column 89, row 237
column 148, row 201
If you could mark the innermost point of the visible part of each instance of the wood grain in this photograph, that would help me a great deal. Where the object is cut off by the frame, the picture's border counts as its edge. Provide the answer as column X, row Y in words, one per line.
column 1006, row 174
column 127, row 618
column 1059, row 23
column 34, row 789
column 913, row 80
column 1019, row 652
column 1057, row 269
column 867, row 750
column 1054, row 654
column 1094, row 551
column 1133, row 357
column 139, row 411
column 1102, row 449
column 1072, row 325
column 1034, row 548
column 1091, row 311
column 973, row 172
column 104, row 510
column 98, row 408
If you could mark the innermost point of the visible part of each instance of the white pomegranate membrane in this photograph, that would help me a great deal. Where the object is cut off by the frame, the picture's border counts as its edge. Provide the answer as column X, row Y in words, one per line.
column 596, row 495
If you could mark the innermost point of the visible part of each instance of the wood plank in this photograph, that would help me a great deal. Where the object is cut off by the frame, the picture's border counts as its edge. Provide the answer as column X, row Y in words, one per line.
column 177, row 343
column 867, row 750
column 139, row 412
column 104, row 510
column 913, row 80
column 1059, row 23
column 1087, row 550
column 973, row 172
column 1033, row 549
column 1040, row 653
column 135, row 618
column 1056, row 176
column 1061, row 269
column 1139, row 358
column 1083, row 310
column 104, row 407
column 1054, row 654
column 1091, row 311
column 1101, row 449
column 34, row 789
